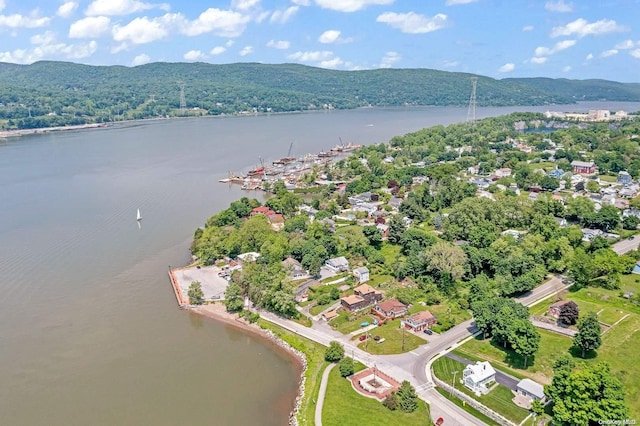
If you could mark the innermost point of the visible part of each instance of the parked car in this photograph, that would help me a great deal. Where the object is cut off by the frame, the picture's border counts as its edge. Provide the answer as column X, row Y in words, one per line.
column 428, row 331
column 439, row 421
column 362, row 338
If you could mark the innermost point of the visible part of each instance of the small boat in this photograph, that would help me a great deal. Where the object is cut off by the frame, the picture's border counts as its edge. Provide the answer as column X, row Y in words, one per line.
column 139, row 216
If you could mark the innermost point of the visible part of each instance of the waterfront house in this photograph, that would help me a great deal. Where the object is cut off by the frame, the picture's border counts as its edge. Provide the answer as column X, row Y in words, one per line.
column 262, row 210
column 419, row 321
column 361, row 274
column 584, row 167
column 531, row 390
column 554, row 310
column 477, row 376
column 338, row 264
column 391, row 309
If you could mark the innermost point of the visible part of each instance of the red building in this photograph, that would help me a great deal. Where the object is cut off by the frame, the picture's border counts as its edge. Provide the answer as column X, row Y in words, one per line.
column 584, row 167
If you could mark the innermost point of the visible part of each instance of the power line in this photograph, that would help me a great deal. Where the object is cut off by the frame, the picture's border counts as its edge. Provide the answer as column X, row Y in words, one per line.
column 183, row 100
column 471, row 113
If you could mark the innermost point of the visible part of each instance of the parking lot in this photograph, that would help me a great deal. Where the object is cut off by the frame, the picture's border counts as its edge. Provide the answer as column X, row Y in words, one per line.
column 213, row 285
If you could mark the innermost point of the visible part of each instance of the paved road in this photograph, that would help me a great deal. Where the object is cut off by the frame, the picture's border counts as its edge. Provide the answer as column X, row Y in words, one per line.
column 624, row 246
column 502, row 378
column 321, row 393
column 414, row 366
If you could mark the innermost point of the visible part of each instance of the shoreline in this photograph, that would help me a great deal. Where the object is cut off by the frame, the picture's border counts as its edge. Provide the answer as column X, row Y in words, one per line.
column 218, row 313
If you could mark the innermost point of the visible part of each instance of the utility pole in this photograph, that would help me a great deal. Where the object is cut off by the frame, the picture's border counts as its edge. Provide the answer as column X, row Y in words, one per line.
column 471, row 113
column 453, row 382
column 402, row 336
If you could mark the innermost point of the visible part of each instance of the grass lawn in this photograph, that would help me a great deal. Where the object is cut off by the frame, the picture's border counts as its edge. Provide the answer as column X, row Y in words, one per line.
column 475, row 413
column 498, row 399
column 607, row 178
column 345, row 323
column 316, row 309
column 378, row 279
column 344, row 406
column 390, row 252
column 315, row 366
column 552, row 346
column 393, row 335
column 349, row 228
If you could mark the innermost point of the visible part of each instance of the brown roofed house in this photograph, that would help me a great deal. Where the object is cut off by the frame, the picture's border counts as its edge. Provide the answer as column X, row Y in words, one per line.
column 419, row 321
column 391, row 309
column 353, row 303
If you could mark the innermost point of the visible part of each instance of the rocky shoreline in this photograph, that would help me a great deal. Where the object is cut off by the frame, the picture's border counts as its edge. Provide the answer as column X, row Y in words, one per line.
column 219, row 313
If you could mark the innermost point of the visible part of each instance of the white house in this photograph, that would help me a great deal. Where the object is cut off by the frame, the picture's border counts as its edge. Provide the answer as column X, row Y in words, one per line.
column 361, row 274
column 530, row 390
column 477, row 376
column 338, row 264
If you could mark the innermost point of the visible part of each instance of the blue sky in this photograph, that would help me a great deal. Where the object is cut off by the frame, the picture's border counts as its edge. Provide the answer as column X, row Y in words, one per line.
column 498, row 38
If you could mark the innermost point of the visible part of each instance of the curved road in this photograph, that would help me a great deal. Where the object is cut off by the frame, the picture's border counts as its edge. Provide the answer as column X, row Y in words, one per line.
column 321, row 393
column 414, row 366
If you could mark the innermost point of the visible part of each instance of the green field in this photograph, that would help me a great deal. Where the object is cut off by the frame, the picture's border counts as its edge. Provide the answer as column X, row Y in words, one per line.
column 466, row 407
column 393, row 335
column 344, row 406
column 498, row 399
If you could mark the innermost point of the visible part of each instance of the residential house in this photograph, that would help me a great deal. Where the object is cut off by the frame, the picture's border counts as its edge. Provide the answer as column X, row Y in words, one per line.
column 295, row 269
column 636, row 268
column 251, row 256
column 561, row 221
column 328, row 316
column 308, row 210
column 554, row 310
column 329, row 223
column 391, row 309
column 364, row 295
column 557, row 173
column 583, row 167
column 624, row 177
column 477, row 376
column 531, row 390
column 395, row 202
column 277, row 221
column 384, row 229
column 502, row 173
column 590, row 234
column 419, row 321
column 338, row 264
column 361, row 274
column 262, row 210
column 631, row 212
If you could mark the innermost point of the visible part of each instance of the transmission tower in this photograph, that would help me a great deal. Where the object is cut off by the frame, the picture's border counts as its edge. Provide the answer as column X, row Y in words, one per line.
column 471, row 113
column 183, row 100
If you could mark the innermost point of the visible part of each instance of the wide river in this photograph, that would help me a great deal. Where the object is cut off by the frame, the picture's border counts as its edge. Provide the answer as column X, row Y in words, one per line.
column 90, row 333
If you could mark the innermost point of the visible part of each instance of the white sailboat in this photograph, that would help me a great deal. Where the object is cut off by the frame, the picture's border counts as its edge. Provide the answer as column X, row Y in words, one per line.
column 139, row 217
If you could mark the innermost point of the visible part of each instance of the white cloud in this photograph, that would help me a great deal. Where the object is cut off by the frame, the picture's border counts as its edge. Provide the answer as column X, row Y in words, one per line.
column 66, row 9
column 350, row 5
column 90, row 27
column 319, row 55
column 389, row 59
column 635, row 53
column 143, row 30
column 456, row 2
column 450, row 64
column 627, row 44
column 331, row 63
column 528, row 28
column 589, row 57
column 121, row 7
column 283, row 16
column 22, row 21
column 280, row 44
column 566, row 69
column 559, row 6
column 413, row 23
column 559, row 46
column 223, row 23
column 332, row 36
column 218, row 50
column 246, row 51
column 46, row 47
column 2, row 5
column 608, row 53
column 141, row 59
column 244, row 4
column 537, row 60
column 582, row 28
column 302, row 2
column 507, row 67
column 194, row 55
column 229, row 43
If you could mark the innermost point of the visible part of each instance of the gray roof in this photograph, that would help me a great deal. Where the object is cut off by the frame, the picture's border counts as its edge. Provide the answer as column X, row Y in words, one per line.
column 531, row 387
column 361, row 270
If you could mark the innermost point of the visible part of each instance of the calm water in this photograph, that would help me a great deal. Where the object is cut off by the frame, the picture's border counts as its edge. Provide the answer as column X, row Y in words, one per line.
column 89, row 328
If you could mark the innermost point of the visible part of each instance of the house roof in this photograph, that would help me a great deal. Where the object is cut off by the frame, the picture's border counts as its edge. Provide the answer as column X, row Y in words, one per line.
column 531, row 387
column 361, row 270
column 559, row 303
column 392, row 305
column 290, row 261
column 352, row 299
column 338, row 261
column 424, row 316
column 329, row 315
column 577, row 163
column 364, row 289
column 480, row 371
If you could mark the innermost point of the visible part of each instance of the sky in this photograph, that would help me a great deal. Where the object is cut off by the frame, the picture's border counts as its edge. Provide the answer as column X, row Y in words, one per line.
column 576, row 39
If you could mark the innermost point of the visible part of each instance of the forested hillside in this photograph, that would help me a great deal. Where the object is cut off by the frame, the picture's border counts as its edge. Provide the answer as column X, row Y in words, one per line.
column 60, row 93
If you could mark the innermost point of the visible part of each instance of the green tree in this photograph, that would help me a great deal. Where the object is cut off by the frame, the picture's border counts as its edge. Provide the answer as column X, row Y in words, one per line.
column 407, row 397
column 630, row 222
column 391, row 401
column 589, row 336
column 233, row 298
column 372, row 234
column 569, row 313
column 335, row 352
column 196, row 296
column 525, row 339
column 537, row 407
column 586, row 395
column 396, row 228
column 346, row 366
